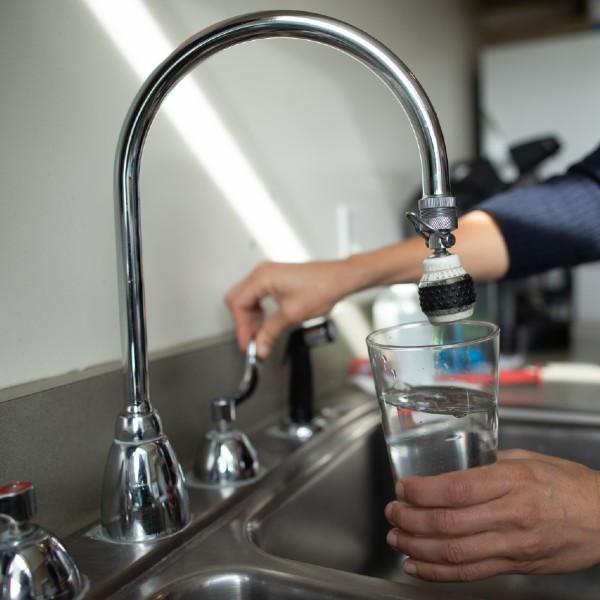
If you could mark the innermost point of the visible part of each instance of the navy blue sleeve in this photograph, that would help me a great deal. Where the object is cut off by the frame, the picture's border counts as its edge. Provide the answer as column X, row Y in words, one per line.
column 555, row 223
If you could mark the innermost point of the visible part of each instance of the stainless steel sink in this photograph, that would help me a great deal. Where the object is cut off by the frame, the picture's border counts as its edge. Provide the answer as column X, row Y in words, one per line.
column 216, row 557
column 313, row 526
column 246, row 585
column 335, row 519
column 262, row 584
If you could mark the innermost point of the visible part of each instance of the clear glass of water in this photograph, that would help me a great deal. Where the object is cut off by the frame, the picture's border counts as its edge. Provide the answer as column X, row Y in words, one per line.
column 437, row 387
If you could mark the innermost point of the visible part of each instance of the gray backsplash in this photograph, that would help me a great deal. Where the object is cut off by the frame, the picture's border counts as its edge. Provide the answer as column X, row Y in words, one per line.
column 57, row 434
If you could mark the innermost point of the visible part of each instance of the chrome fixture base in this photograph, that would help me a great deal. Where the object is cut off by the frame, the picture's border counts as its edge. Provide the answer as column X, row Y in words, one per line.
column 301, row 432
column 33, row 562
column 226, row 458
column 144, row 494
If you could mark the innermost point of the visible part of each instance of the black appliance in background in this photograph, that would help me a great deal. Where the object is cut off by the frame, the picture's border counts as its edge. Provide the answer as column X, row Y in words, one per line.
column 535, row 312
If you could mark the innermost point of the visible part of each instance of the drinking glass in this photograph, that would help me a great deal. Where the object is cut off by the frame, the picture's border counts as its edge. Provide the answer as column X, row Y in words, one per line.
column 437, row 387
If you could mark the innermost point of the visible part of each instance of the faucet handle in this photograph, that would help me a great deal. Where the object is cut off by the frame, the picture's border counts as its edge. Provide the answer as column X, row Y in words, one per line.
column 226, row 456
column 223, row 408
column 17, row 501
column 33, row 562
column 251, row 374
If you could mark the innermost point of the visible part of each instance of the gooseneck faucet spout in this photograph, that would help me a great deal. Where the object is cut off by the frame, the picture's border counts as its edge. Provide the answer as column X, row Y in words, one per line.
column 148, row 499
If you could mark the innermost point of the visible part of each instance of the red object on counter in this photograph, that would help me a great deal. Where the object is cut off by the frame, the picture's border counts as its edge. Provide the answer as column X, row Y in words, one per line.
column 522, row 376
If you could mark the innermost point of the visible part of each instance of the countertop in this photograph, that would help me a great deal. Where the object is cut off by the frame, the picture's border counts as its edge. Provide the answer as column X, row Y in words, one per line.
column 574, row 395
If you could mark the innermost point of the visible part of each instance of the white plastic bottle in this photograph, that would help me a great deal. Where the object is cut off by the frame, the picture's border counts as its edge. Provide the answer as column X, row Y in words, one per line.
column 397, row 304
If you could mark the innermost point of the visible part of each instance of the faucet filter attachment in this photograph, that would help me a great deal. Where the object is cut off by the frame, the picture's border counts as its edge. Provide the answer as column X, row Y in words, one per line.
column 446, row 290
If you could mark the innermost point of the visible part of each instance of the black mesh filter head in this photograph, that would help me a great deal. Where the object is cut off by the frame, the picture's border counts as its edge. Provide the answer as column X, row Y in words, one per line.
column 448, row 298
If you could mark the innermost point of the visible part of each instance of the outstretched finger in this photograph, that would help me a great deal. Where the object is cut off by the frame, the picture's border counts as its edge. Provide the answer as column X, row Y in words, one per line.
column 446, row 521
column 459, row 488
column 244, row 303
column 452, row 550
column 269, row 332
column 247, row 322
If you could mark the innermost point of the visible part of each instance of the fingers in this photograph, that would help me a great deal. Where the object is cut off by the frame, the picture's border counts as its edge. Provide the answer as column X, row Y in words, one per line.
column 457, row 488
column 244, row 306
column 467, row 557
column 478, row 485
column 526, row 513
column 268, row 334
column 244, row 302
column 299, row 291
column 465, row 572
column 461, row 502
column 451, row 551
column 445, row 521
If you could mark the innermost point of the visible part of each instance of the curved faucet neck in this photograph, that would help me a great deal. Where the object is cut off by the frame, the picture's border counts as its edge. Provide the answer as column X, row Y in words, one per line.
column 271, row 24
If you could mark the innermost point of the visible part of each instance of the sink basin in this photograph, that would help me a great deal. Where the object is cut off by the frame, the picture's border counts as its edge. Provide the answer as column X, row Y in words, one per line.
column 335, row 518
column 313, row 526
column 246, row 584
column 266, row 584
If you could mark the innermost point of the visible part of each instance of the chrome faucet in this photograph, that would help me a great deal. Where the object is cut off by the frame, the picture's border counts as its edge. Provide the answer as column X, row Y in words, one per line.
column 33, row 562
column 144, row 494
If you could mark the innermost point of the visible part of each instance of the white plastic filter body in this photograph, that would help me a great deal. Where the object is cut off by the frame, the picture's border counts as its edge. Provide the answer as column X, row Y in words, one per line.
column 440, row 270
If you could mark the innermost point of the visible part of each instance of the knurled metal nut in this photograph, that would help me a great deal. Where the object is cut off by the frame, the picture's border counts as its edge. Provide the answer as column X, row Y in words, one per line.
column 442, row 223
column 437, row 202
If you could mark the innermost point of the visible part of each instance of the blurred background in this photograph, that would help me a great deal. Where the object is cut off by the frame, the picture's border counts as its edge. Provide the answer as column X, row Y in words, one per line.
column 284, row 150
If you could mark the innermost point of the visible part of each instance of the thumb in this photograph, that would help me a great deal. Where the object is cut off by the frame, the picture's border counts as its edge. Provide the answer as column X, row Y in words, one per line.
column 269, row 332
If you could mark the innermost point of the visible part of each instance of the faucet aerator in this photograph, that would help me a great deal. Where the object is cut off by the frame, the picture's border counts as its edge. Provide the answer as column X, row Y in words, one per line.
column 446, row 290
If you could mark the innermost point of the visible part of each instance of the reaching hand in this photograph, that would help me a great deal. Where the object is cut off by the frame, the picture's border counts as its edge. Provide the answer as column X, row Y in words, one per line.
column 308, row 290
column 526, row 513
column 301, row 291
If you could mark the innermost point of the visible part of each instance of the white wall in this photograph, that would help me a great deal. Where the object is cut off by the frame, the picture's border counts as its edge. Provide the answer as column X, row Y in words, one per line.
column 317, row 127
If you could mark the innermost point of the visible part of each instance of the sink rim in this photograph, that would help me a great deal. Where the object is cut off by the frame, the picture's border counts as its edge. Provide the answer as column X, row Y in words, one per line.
column 225, row 546
column 565, row 420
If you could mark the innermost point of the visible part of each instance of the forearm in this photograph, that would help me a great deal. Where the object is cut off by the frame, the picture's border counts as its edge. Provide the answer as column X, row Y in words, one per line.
column 479, row 245
column 398, row 263
column 306, row 290
column 518, row 233
column 552, row 224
